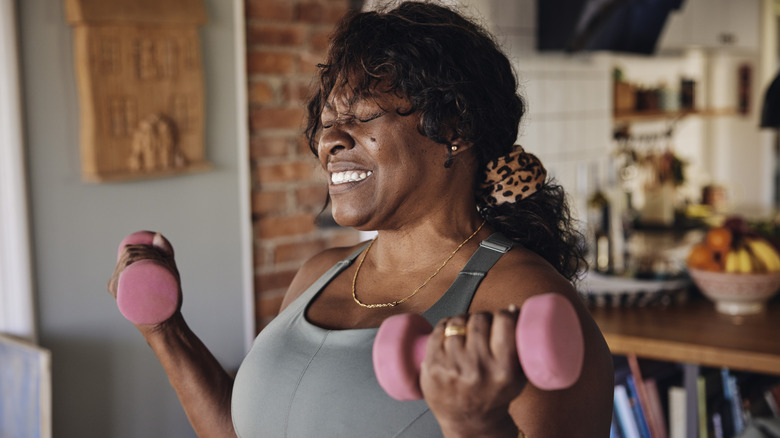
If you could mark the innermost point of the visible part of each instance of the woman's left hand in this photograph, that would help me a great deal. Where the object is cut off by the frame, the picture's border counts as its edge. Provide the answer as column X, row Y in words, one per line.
column 470, row 377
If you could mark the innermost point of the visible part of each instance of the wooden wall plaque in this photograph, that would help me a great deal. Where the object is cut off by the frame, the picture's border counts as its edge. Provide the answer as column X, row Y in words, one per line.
column 141, row 90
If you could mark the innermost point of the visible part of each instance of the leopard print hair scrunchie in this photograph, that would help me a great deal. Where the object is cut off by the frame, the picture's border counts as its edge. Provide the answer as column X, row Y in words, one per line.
column 512, row 177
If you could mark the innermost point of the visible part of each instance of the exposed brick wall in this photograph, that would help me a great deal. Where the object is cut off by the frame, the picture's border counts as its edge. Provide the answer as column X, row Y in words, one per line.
column 285, row 41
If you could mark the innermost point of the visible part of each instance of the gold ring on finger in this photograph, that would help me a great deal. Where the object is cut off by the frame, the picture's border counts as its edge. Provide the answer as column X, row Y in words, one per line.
column 454, row 330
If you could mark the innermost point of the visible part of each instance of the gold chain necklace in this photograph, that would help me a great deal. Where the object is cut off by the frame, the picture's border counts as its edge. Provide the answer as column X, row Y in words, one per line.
column 395, row 303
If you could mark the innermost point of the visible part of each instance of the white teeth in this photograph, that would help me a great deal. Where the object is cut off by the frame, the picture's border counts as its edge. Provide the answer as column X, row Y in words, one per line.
column 349, row 176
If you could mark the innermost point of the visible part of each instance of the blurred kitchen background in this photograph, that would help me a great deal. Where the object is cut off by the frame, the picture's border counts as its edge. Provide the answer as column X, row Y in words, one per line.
column 656, row 116
column 652, row 107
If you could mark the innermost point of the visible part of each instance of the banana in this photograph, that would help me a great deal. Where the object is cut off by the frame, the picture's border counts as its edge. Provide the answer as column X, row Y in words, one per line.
column 765, row 252
column 759, row 266
column 732, row 262
column 745, row 262
column 771, row 256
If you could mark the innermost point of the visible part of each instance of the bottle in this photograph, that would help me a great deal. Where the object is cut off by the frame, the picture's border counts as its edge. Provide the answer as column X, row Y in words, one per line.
column 629, row 219
column 599, row 216
column 687, row 94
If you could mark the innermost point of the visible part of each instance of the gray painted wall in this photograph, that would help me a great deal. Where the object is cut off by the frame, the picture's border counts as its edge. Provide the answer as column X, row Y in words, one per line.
column 106, row 381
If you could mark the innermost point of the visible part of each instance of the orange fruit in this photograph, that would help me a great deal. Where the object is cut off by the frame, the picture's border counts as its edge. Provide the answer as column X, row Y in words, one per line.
column 712, row 265
column 719, row 239
column 701, row 256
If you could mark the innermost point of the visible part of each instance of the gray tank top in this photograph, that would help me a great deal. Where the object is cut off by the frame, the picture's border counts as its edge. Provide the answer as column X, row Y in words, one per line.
column 302, row 381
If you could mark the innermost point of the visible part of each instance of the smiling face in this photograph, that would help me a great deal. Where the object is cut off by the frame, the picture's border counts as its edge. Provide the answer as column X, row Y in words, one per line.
column 382, row 171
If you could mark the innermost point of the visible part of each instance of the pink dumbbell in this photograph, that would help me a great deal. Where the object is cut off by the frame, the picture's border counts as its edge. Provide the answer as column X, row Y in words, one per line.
column 147, row 292
column 548, row 336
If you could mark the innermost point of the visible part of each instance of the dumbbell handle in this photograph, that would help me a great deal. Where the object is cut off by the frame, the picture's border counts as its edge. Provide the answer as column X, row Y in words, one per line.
column 147, row 292
column 548, row 336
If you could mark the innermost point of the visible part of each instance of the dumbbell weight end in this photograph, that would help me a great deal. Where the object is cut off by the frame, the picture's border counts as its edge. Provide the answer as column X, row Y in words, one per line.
column 147, row 292
column 550, row 344
column 399, row 349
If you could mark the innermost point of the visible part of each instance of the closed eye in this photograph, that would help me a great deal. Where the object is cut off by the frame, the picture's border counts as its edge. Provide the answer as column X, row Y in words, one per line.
column 347, row 118
column 372, row 117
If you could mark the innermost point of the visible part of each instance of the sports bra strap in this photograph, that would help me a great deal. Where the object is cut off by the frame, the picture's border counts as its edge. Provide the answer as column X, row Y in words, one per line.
column 329, row 275
column 458, row 297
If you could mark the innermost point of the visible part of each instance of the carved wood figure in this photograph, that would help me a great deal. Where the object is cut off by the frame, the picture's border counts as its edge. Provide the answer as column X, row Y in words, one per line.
column 141, row 92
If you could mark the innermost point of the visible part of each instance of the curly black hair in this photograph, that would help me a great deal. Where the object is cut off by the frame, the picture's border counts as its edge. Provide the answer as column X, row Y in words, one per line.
column 462, row 87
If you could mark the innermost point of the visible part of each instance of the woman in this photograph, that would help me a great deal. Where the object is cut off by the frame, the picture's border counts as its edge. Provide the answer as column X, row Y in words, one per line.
column 414, row 121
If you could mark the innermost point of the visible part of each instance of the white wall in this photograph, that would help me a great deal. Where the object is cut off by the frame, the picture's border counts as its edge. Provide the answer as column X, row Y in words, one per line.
column 106, row 381
column 740, row 160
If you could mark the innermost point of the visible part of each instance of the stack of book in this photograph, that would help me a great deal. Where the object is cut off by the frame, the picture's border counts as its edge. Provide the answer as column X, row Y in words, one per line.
column 652, row 400
column 639, row 410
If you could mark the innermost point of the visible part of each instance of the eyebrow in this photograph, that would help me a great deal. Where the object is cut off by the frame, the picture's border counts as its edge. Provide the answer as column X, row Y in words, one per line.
column 351, row 101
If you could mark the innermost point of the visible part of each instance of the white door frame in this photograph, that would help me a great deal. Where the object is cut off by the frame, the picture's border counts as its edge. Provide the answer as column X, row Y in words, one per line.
column 245, row 178
column 17, row 316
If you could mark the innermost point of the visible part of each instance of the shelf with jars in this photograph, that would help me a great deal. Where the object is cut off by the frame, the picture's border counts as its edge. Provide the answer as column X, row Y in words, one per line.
column 631, row 116
column 634, row 102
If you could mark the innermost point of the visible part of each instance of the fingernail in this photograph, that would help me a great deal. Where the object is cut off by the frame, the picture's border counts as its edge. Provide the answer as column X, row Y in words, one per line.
column 513, row 308
column 160, row 243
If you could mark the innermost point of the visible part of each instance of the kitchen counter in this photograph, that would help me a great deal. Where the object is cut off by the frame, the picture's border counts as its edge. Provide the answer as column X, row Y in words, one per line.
column 695, row 333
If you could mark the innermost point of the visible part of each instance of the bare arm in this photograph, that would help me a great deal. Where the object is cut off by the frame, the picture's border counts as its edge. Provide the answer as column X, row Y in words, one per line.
column 202, row 385
column 204, row 388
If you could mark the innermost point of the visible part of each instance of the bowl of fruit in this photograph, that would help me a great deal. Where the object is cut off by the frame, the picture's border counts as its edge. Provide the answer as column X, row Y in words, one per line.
column 735, row 267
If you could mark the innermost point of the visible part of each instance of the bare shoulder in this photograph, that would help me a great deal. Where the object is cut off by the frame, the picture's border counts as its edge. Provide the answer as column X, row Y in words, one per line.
column 518, row 275
column 313, row 269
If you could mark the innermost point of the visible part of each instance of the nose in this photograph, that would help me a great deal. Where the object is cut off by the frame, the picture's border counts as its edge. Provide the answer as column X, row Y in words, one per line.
column 334, row 140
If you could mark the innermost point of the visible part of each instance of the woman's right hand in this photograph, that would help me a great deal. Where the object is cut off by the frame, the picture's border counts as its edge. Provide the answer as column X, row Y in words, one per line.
column 469, row 379
column 157, row 252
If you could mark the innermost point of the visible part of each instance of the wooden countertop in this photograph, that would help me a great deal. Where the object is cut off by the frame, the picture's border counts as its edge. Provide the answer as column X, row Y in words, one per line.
column 695, row 333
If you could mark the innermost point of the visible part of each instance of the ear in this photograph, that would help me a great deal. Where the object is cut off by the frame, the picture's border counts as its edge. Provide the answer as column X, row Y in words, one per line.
column 456, row 147
column 459, row 145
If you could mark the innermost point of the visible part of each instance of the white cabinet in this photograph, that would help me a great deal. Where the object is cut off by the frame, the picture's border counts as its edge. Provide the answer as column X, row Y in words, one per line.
column 713, row 24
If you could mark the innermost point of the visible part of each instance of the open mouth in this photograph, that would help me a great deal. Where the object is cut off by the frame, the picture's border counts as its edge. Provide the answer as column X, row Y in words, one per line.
column 349, row 176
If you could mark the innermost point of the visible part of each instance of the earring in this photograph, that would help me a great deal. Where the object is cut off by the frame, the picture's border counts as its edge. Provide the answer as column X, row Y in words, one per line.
column 454, row 148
